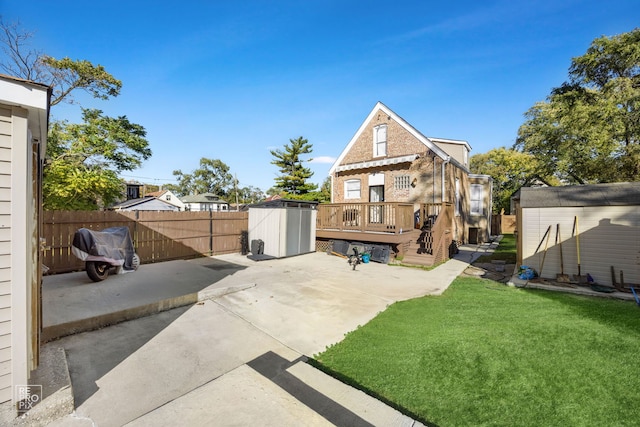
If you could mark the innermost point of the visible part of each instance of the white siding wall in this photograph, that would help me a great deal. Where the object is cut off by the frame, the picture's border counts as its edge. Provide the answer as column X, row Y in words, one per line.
column 5, row 254
column 265, row 224
column 609, row 236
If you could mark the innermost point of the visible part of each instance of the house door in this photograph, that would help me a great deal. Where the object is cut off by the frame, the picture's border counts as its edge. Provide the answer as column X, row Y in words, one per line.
column 376, row 195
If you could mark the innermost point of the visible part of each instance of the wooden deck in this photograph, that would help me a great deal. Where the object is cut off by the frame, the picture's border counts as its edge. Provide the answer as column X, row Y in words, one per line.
column 391, row 223
column 388, row 218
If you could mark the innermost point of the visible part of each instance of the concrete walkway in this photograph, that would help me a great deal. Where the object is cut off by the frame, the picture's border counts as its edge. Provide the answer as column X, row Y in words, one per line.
column 237, row 355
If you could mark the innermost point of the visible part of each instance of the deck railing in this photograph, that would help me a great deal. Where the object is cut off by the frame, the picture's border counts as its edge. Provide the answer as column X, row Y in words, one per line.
column 366, row 217
column 441, row 232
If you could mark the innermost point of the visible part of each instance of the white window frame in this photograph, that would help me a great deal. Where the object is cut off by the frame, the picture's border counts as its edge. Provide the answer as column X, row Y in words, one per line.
column 352, row 189
column 476, row 199
column 379, row 144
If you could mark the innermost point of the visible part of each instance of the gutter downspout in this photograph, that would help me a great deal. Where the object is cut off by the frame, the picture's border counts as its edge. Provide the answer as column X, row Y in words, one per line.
column 433, row 195
column 444, row 164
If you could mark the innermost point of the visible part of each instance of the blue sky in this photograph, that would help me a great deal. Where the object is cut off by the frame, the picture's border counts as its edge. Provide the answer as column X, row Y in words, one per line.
column 231, row 80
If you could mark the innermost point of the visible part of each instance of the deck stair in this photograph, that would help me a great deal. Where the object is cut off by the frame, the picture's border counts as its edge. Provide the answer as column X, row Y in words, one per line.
column 420, row 248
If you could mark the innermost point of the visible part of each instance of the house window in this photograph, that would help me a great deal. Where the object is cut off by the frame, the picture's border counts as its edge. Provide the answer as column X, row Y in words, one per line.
column 380, row 141
column 352, row 189
column 402, row 182
column 476, row 199
column 168, row 197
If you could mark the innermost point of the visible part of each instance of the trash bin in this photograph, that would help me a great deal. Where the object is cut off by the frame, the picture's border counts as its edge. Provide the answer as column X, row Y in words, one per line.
column 257, row 247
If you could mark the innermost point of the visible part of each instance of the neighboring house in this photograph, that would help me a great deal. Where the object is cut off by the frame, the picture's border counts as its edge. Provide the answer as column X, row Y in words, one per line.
column 148, row 203
column 392, row 166
column 134, row 190
column 169, row 197
column 204, row 202
column 604, row 219
column 24, row 114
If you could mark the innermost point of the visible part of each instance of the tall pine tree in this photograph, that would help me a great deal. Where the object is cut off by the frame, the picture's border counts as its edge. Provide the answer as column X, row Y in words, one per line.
column 293, row 175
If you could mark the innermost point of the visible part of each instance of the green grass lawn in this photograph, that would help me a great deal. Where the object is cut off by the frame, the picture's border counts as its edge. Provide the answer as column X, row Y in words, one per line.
column 487, row 354
column 506, row 251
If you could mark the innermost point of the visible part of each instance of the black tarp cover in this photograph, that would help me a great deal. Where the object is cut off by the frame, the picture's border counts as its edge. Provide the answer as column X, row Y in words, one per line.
column 112, row 245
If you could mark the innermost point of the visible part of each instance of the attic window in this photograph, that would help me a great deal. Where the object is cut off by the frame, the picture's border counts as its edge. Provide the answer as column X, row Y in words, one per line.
column 168, row 196
column 380, row 141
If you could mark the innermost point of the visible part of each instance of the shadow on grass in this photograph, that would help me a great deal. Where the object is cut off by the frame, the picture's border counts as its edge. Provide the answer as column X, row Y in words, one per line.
column 619, row 314
column 353, row 383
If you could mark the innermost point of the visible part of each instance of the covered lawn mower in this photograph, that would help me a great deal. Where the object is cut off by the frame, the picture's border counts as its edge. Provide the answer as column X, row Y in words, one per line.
column 104, row 250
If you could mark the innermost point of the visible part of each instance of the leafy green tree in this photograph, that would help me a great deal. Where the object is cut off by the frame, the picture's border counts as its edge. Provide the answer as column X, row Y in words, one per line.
column 63, row 75
column 250, row 194
column 293, row 176
column 323, row 195
column 212, row 176
column 588, row 129
column 83, row 161
column 510, row 170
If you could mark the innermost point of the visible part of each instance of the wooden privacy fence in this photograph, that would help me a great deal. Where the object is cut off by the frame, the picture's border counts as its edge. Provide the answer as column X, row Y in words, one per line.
column 157, row 236
column 503, row 224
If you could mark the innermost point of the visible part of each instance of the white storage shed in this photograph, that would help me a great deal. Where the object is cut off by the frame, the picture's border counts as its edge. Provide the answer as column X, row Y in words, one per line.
column 601, row 222
column 24, row 115
column 286, row 227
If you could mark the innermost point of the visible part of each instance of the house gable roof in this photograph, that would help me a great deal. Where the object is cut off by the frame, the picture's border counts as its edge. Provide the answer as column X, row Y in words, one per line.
column 202, row 198
column 612, row 194
column 157, row 193
column 413, row 131
column 156, row 204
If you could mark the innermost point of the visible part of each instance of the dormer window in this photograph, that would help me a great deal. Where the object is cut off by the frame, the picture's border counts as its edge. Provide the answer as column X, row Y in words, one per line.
column 380, row 141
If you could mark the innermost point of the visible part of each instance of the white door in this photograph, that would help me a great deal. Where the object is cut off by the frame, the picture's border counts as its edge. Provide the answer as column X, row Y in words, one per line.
column 376, row 195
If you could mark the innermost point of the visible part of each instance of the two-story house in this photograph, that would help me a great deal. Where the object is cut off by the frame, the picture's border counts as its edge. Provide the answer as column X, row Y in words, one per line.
column 204, row 202
column 392, row 179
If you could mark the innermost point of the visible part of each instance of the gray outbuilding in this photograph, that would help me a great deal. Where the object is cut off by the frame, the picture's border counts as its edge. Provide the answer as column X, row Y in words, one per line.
column 588, row 227
column 285, row 228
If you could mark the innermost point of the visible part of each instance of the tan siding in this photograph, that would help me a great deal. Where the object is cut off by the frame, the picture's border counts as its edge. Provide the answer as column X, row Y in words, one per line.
column 5, row 167
column 5, row 287
column 5, row 328
column 5, row 154
column 5, row 341
column 5, row 314
column 5, row 127
column 609, row 236
column 5, row 261
column 5, row 367
column 5, row 392
column 5, row 381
